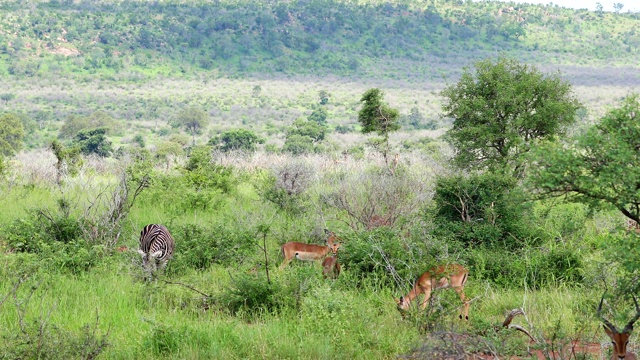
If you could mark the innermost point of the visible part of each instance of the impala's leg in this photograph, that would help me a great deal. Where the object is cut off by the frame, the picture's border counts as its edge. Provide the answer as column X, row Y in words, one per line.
column 427, row 296
column 465, row 304
column 285, row 262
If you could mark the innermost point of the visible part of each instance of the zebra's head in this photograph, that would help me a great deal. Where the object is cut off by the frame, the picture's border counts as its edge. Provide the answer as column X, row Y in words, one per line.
column 150, row 260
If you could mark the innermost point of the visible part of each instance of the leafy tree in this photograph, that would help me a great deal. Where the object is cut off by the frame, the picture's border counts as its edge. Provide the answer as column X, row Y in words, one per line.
column 6, row 97
column 601, row 167
column 314, row 131
column 376, row 116
column 93, row 141
column 75, row 123
column 193, row 119
column 324, row 97
column 202, row 173
column 11, row 134
column 298, row 144
column 236, row 140
column 319, row 116
column 481, row 209
column 502, row 111
column 68, row 159
column 303, row 137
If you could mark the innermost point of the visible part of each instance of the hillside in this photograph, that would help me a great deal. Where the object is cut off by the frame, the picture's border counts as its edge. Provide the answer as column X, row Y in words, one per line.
column 397, row 39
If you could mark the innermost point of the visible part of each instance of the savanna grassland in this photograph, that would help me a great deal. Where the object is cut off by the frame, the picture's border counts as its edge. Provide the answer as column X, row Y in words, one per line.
column 128, row 112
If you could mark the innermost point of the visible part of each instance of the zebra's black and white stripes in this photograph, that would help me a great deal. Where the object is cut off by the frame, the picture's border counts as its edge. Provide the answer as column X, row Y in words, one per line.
column 156, row 246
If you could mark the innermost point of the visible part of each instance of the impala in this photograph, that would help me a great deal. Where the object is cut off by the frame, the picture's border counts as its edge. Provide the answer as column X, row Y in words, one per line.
column 330, row 267
column 440, row 277
column 309, row 252
column 620, row 340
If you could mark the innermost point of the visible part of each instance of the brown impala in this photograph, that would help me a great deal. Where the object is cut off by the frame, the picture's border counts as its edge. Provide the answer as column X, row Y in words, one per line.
column 309, row 252
column 440, row 277
column 330, row 267
column 620, row 340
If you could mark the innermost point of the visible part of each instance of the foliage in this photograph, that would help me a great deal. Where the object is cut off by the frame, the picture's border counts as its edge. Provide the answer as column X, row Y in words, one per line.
column 38, row 338
column 481, row 209
column 76, row 123
column 601, row 166
column 319, row 115
column 375, row 116
column 202, row 173
column 200, row 247
column 193, row 119
column 11, row 134
column 304, row 136
column 68, row 159
column 502, row 111
column 253, row 295
column 302, row 37
column 526, row 267
column 286, row 187
column 56, row 239
column 239, row 139
column 382, row 255
column 93, row 141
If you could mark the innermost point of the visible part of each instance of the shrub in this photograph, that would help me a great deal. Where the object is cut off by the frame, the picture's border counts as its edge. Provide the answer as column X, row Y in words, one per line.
column 529, row 267
column 253, row 295
column 56, row 239
column 236, row 140
column 199, row 247
column 202, row 173
column 482, row 209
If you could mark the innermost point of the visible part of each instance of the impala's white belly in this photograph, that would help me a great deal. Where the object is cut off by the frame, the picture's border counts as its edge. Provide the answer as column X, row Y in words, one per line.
column 307, row 256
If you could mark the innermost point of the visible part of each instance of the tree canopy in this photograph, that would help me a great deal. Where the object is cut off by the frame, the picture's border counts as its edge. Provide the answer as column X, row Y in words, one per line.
column 602, row 165
column 239, row 139
column 11, row 134
column 376, row 116
column 502, row 110
column 193, row 119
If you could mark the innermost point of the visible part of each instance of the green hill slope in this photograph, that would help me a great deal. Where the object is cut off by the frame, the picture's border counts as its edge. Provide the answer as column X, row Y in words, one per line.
column 408, row 38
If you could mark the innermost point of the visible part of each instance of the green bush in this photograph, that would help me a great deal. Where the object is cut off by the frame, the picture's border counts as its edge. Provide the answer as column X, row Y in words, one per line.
column 199, row 247
column 482, row 209
column 377, row 254
column 530, row 267
column 57, row 241
column 253, row 295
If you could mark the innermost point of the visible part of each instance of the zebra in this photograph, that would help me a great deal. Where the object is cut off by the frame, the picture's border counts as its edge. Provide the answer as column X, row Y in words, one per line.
column 156, row 247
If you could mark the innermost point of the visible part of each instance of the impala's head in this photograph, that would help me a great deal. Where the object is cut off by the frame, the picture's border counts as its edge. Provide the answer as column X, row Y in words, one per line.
column 403, row 305
column 331, row 236
column 334, row 248
column 619, row 339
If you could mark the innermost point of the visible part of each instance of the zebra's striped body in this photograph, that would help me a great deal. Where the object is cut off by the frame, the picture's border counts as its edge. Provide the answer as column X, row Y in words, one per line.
column 156, row 246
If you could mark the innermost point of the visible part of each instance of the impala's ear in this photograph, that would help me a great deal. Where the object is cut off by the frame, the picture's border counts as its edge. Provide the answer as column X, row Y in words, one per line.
column 398, row 301
column 141, row 252
column 608, row 331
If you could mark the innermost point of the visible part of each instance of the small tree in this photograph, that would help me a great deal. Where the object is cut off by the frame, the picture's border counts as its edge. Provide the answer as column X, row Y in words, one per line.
column 319, row 115
column 324, row 97
column 236, row 140
column 602, row 166
column 376, row 116
column 11, row 134
column 503, row 110
column 6, row 97
column 68, row 160
column 303, row 137
column 93, row 141
column 193, row 119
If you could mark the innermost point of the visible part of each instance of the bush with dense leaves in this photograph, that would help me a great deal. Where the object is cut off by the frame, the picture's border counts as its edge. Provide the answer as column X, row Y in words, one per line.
column 199, row 247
